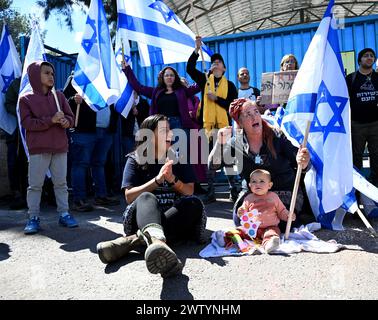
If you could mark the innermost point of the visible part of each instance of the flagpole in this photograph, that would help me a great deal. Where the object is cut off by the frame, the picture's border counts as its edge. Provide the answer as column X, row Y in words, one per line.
column 123, row 51
column 367, row 224
column 77, row 114
column 201, row 52
column 56, row 99
column 296, row 186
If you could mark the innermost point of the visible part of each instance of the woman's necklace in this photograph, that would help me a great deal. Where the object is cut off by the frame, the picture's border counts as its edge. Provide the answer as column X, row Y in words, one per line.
column 258, row 159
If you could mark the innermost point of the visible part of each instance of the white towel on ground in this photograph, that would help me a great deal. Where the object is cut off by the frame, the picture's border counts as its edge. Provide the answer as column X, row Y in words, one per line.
column 301, row 239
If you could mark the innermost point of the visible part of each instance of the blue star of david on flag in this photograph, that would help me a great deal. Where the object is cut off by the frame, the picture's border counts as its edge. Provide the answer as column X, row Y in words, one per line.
column 96, row 75
column 87, row 44
column 320, row 95
column 7, row 81
column 336, row 105
column 161, row 36
column 118, row 54
column 10, row 68
column 167, row 13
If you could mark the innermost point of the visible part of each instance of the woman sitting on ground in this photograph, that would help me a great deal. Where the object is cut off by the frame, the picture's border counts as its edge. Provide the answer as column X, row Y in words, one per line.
column 160, row 203
column 260, row 146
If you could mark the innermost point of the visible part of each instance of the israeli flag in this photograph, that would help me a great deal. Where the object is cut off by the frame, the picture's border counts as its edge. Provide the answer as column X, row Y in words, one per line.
column 10, row 68
column 320, row 95
column 96, row 76
column 126, row 99
column 369, row 194
column 35, row 52
column 161, row 36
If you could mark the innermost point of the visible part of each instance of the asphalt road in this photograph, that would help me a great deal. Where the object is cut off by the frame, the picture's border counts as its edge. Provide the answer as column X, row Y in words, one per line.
column 62, row 264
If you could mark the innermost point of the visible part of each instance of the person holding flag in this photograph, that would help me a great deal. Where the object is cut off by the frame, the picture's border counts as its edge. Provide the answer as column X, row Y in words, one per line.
column 91, row 141
column 217, row 94
column 262, row 147
column 169, row 98
column 92, row 91
column 45, row 120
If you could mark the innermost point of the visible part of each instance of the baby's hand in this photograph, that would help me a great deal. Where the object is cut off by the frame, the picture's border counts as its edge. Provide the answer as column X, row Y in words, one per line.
column 240, row 211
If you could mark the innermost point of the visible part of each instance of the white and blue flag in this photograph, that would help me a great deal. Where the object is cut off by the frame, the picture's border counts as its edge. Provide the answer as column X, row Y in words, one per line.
column 320, row 95
column 96, row 76
column 10, row 69
column 126, row 99
column 35, row 52
column 161, row 36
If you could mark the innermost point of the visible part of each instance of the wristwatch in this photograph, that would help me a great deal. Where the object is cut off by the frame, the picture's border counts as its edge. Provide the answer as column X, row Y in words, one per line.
column 159, row 184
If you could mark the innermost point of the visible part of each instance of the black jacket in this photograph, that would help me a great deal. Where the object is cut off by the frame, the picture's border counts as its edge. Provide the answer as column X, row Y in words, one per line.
column 200, row 78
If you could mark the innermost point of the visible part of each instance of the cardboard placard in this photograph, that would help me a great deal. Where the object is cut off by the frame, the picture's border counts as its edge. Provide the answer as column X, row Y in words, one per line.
column 276, row 86
column 266, row 88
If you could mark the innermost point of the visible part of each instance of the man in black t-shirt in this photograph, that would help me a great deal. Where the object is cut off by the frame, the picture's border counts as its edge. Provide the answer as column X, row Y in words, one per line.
column 363, row 93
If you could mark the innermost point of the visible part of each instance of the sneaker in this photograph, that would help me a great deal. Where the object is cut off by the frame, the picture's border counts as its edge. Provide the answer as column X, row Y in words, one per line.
column 68, row 221
column 105, row 201
column 32, row 226
column 82, row 206
column 272, row 244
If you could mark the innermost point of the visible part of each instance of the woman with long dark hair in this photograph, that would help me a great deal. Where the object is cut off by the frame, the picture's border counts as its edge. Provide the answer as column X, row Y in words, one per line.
column 169, row 98
column 161, row 206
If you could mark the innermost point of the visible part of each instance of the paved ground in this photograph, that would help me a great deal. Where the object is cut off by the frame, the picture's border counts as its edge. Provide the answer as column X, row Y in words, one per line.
column 62, row 264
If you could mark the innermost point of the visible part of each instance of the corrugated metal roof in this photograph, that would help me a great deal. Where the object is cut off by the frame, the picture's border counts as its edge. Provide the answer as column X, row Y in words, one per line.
column 216, row 17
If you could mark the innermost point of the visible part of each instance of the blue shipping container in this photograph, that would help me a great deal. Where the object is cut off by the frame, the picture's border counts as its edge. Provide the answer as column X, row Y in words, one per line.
column 261, row 51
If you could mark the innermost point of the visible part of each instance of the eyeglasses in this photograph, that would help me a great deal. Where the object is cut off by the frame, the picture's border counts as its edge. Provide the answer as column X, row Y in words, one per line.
column 289, row 62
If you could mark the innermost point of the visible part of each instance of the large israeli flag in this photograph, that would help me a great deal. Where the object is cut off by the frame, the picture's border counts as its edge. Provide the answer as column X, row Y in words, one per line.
column 96, row 76
column 35, row 52
column 10, row 68
column 162, row 37
column 320, row 94
column 126, row 99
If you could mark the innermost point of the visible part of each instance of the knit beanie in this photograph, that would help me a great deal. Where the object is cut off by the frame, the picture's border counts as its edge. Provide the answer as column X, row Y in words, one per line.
column 363, row 51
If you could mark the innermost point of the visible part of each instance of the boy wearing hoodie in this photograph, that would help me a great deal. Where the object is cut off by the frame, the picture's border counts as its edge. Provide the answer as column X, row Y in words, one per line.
column 47, row 142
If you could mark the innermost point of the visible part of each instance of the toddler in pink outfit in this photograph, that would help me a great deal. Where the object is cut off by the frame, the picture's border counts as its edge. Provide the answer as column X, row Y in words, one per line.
column 270, row 207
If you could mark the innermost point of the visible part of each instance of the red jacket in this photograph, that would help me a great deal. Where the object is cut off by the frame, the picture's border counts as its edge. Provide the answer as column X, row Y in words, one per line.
column 36, row 112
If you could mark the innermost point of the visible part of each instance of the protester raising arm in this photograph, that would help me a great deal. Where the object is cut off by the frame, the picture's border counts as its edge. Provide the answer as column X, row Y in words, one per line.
column 137, row 86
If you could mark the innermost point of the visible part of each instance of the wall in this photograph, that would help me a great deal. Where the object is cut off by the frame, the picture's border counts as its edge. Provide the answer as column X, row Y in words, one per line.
column 261, row 51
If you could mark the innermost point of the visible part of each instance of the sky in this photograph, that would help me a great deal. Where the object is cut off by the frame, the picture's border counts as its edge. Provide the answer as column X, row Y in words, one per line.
column 58, row 35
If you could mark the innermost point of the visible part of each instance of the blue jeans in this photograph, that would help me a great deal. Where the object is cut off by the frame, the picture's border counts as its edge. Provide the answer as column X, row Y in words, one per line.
column 89, row 150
